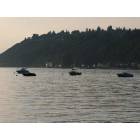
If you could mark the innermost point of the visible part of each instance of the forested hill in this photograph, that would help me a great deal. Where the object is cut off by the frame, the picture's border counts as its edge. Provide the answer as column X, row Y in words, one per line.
column 91, row 48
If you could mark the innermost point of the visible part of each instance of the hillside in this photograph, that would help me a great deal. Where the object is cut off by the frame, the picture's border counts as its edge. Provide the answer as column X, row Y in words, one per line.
column 99, row 48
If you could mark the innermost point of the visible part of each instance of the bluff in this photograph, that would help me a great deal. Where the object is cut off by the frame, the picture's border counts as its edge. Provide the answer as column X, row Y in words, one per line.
column 90, row 48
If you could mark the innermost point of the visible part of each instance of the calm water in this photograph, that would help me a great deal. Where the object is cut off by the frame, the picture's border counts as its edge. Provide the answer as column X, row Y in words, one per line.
column 54, row 96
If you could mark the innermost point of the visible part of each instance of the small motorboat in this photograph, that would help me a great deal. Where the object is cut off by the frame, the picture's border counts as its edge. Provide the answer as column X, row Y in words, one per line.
column 74, row 72
column 29, row 74
column 22, row 70
column 25, row 72
column 125, row 74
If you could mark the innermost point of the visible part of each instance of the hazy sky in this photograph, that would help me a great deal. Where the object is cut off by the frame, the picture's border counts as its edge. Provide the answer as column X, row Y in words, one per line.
column 13, row 30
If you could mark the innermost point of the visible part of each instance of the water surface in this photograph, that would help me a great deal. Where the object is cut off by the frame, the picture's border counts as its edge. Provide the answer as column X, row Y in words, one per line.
column 55, row 96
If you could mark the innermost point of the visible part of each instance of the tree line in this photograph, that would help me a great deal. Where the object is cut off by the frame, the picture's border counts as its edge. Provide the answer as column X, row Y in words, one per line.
column 119, row 47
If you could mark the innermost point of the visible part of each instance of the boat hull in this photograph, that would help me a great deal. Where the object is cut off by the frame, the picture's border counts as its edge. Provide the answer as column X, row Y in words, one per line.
column 72, row 73
column 125, row 75
column 29, row 74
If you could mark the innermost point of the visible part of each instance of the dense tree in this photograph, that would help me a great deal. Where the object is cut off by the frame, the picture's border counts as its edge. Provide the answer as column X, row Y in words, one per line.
column 118, row 47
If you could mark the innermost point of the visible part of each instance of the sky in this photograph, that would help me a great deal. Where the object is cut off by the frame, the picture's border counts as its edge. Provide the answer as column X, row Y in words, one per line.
column 15, row 29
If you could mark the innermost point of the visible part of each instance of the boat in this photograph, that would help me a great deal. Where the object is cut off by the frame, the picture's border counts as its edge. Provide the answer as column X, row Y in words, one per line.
column 74, row 72
column 125, row 74
column 29, row 74
column 22, row 70
column 25, row 72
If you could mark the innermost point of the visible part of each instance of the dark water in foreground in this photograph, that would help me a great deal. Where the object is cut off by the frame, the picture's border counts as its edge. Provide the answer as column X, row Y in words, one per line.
column 54, row 96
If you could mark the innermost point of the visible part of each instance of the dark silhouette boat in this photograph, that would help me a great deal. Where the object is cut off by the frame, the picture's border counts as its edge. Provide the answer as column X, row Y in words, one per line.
column 125, row 74
column 25, row 72
column 29, row 74
column 22, row 70
column 74, row 72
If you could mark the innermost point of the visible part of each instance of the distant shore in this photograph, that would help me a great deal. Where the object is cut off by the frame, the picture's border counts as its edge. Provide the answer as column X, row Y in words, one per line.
column 109, row 68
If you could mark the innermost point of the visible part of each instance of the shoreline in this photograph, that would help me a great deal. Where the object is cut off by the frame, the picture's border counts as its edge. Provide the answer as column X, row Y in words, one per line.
column 77, row 68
